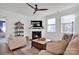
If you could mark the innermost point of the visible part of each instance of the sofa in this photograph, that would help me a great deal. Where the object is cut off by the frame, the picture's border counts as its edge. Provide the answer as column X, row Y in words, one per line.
column 62, row 47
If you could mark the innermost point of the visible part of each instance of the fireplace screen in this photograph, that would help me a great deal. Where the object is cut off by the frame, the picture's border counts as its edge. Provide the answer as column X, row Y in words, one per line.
column 36, row 34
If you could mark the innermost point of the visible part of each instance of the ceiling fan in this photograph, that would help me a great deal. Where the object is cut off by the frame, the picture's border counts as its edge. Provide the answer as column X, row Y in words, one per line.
column 36, row 8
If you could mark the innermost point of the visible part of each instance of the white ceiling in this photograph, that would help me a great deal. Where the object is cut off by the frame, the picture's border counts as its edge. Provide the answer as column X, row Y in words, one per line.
column 23, row 8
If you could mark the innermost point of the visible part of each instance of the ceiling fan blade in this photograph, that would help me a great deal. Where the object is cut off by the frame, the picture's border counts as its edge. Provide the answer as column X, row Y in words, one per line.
column 30, row 5
column 42, row 9
column 34, row 12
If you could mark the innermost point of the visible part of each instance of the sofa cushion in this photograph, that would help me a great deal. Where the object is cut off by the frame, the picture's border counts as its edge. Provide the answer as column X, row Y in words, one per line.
column 57, row 47
column 73, row 47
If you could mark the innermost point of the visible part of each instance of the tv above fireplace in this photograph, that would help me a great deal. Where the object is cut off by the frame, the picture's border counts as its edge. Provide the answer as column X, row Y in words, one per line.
column 36, row 23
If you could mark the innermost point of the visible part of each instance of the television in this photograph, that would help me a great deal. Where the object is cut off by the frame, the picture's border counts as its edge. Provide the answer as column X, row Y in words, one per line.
column 36, row 23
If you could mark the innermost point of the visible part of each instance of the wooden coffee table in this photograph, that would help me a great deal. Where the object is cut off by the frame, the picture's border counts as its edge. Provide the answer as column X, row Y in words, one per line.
column 41, row 45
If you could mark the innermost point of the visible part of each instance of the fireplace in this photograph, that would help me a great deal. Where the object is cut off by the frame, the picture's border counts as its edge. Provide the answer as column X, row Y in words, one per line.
column 36, row 34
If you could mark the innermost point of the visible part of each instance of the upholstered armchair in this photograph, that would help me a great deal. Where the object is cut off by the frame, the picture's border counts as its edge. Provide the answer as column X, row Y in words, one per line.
column 16, row 42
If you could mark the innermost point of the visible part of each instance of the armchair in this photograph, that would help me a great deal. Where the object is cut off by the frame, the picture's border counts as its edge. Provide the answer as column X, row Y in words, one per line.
column 16, row 42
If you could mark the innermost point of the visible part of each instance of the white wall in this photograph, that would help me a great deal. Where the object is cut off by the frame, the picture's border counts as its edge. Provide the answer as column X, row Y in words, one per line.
column 12, row 18
column 57, row 15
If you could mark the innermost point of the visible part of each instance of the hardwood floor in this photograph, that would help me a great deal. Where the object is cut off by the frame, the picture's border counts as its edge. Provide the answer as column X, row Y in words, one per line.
column 4, row 50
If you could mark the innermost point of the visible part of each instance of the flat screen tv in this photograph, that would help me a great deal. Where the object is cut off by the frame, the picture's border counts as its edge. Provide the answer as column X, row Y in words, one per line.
column 36, row 23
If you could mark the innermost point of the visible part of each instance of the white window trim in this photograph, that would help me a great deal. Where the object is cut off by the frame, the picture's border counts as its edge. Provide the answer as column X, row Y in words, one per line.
column 64, row 23
column 49, row 25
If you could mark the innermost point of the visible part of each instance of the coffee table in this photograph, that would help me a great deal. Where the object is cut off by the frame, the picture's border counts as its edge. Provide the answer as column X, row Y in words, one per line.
column 41, row 45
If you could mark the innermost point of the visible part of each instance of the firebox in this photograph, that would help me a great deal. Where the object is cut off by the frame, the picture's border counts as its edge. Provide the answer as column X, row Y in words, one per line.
column 36, row 34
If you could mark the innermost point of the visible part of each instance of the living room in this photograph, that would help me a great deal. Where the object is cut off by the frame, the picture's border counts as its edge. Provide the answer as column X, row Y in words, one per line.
column 37, row 25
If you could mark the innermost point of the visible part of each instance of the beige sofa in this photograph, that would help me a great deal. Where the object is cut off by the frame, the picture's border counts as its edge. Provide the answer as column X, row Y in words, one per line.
column 62, row 47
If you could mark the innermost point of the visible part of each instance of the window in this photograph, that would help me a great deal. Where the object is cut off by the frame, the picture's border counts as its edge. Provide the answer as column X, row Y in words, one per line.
column 51, row 24
column 2, row 25
column 67, row 23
